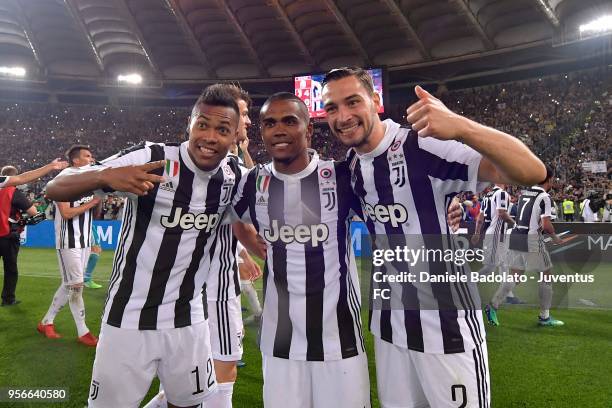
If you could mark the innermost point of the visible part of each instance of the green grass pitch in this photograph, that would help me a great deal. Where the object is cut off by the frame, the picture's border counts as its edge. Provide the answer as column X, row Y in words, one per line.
column 570, row 366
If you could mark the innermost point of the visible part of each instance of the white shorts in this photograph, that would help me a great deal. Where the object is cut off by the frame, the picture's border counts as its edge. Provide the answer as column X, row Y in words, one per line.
column 72, row 264
column 127, row 360
column 305, row 384
column 530, row 261
column 226, row 329
column 495, row 251
column 411, row 379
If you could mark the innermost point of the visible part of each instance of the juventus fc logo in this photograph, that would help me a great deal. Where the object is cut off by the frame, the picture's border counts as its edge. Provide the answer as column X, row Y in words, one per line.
column 331, row 199
column 400, row 174
column 225, row 193
column 95, row 386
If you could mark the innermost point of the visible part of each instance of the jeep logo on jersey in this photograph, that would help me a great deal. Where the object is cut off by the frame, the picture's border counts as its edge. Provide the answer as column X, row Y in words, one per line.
column 189, row 220
column 302, row 234
column 396, row 214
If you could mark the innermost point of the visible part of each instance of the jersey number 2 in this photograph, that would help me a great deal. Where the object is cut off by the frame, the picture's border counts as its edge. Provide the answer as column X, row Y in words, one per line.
column 458, row 392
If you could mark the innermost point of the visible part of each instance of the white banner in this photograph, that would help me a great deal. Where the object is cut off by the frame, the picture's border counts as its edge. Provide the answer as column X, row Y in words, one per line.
column 595, row 166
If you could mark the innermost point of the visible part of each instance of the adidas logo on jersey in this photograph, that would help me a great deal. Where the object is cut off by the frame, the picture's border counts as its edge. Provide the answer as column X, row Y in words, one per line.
column 187, row 221
column 168, row 186
column 302, row 234
column 261, row 201
column 396, row 214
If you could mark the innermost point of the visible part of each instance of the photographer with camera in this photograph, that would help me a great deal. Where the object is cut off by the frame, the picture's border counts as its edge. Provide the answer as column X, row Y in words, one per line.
column 12, row 204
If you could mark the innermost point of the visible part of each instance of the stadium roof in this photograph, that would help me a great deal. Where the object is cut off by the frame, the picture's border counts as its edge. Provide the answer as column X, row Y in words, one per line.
column 266, row 40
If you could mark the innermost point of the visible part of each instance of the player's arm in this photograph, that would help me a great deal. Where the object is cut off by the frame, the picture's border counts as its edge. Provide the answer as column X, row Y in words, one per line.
column 32, row 175
column 548, row 228
column 503, row 214
column 505, row 158
column 130, row 179
column 479, row 223
column 68, row 212
column 247, row 235
column 246, row 156
column 250, row 270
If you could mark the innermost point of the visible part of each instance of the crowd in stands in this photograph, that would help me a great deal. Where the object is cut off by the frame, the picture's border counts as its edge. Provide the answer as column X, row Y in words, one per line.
column 563, row 118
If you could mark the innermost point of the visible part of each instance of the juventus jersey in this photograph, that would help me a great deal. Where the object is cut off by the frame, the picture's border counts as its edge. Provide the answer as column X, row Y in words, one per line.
column 533, row 204
column 166, row 240
column 405, row 186
column 3, row 181
column 75, row 232
column 498, row 200
column 223, row 282
column 486, row 207
column 311, row 292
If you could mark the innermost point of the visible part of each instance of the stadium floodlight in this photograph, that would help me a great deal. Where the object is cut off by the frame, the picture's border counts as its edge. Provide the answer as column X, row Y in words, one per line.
column 599, row 25
column 133, row 79
column 13, row 71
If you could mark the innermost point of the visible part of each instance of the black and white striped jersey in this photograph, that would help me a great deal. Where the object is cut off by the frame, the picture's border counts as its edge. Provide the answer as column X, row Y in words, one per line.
column 405, row 186
column 485, row 208
column 3, row 181
column 311, row 291
column 166, row 240
column 533, row 205
column 223, row 282
column 497, row 200
column 75, row 232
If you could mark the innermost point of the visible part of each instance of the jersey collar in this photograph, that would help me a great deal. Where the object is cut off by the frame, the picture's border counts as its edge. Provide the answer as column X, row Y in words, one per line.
column 537, row 188
column 314, row 161
column 391, row 129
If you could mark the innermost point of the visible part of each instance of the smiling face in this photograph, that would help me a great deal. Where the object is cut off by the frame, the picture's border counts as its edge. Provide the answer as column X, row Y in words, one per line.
column 352, row 113
column 212, row 131
column 285, row 131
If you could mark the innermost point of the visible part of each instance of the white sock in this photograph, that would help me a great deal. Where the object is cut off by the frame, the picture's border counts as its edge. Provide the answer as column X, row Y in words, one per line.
column 501, row 293
column 222, row 397
column 77, row 307
column 59, row 300
column 504, row 270
column 249, row 290
column 158, row 401
column 545, row 292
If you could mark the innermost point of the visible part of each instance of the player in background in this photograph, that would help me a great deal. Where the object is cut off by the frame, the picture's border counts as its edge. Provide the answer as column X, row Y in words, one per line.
column 96, row 250
column 528, row 251
column 154, row 321
column 29, row 176
column 73, row 240
column 406, row 179
column 495, row 208
column 310, row 335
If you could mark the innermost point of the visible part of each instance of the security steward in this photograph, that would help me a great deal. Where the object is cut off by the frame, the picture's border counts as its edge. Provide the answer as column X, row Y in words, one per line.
column 568, row 209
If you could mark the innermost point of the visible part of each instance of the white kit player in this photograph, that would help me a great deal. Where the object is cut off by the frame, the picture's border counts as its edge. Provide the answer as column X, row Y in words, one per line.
column 73, row 240
column 495, row 243
column 310, row 335
column 528, row 251
column 406, row 178
column 154, row 321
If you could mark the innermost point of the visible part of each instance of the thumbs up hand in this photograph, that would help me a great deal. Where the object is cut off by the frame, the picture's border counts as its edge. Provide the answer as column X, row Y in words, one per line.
column 431, row 118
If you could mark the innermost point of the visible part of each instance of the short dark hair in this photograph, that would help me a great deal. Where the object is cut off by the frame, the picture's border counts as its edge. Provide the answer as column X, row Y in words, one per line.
column 239, row 93
column 217, row 95
column 549, row 173
column 361, row 74
column 287, row 96
column 74, row 151
column 8, row 171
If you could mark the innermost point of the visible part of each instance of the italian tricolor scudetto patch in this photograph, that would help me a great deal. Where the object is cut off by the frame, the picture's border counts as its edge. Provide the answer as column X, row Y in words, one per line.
column 172, row 168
